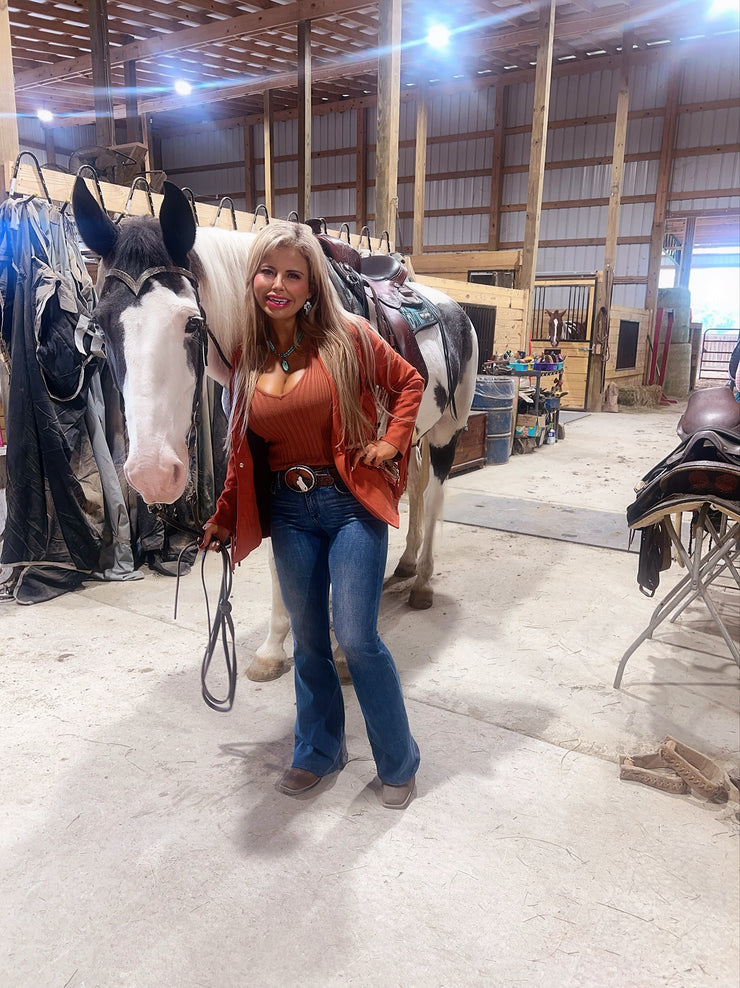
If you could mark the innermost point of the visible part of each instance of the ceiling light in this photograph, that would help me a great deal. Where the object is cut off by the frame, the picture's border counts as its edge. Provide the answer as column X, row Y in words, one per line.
column 45, row 116
column 183, row 88
column 438, row 36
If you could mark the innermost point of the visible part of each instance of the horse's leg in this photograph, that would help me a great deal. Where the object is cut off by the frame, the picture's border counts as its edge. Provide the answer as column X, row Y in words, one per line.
column 418, row 472
column 440, row 457
column 270, row 660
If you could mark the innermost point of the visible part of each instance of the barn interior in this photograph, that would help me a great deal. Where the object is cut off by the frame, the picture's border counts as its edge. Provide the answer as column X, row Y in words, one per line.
column 569, row 156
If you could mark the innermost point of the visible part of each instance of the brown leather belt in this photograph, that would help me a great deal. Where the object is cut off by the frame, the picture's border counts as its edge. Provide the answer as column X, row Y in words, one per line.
column 302, row 479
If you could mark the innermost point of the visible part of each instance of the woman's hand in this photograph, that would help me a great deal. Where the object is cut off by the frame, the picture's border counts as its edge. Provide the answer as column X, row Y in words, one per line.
column 374, row 454
column 214, row 536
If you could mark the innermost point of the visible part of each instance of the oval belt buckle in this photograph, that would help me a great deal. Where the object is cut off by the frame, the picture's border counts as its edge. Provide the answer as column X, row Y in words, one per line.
column 300, row 478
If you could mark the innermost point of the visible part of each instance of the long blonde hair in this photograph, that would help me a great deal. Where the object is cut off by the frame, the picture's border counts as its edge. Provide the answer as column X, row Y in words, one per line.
column 326, row 326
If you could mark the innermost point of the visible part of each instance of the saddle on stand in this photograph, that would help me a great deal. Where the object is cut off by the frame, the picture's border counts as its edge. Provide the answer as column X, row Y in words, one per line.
column 701, row 476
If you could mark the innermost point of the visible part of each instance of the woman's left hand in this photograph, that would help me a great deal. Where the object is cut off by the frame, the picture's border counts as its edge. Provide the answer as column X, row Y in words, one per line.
column 374, row 454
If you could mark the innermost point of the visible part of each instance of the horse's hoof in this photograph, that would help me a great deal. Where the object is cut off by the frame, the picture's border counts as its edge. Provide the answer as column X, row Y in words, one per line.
column 421, row 600
column 261, row 671
column 405, row 570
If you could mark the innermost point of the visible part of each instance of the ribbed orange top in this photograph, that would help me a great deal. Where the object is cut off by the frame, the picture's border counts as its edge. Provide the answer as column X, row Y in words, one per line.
column 297, row 424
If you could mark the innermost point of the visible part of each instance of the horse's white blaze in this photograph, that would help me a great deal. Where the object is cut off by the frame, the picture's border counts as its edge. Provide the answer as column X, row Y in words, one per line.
column 158, row 393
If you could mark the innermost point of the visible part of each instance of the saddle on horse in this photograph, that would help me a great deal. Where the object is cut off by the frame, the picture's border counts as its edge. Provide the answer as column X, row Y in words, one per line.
column 381, row 279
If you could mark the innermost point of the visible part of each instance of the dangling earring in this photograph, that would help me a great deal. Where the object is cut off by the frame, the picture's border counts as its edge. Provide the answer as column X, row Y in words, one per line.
column 307, row 306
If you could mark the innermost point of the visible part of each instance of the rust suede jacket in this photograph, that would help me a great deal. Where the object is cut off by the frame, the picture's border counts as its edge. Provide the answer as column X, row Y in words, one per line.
column 243, row 507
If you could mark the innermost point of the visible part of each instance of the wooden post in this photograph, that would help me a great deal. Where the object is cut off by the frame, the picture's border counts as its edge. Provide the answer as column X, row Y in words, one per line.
column 594, row 397
column 361, row 170
column 538, row 147
column 248, row 165
column 9, row 144
column 304, row 119
column 665, row 168
column 687, row 250
column 420, row 171
column 145, row 129
column 268, row 151
column 497, row 169
column 133, row 129
column 388, row 110
column 105, row 134
column 49, row 146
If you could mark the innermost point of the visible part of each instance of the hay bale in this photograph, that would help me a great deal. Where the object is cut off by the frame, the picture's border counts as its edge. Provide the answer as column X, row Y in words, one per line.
column 642, row 395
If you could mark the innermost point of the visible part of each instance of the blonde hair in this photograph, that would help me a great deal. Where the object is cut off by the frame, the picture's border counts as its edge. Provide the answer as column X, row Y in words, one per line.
column 327, row 326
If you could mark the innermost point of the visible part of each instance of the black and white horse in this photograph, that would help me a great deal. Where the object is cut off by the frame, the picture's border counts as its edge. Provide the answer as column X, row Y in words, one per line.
column 157, row 279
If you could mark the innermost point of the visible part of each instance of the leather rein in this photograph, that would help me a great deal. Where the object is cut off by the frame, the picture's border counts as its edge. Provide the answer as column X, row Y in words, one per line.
column 223, row 625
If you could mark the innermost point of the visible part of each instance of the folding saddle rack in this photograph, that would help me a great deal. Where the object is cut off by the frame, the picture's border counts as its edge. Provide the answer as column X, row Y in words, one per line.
column 701, row 477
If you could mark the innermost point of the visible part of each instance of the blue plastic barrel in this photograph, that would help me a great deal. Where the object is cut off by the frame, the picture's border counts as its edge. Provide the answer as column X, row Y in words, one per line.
column 496, row 396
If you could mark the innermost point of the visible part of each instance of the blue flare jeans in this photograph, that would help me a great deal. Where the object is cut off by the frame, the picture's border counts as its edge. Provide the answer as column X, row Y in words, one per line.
column 327, row 538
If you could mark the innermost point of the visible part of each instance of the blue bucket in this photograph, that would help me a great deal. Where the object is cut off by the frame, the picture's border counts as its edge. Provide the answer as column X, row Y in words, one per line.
column 496, row 396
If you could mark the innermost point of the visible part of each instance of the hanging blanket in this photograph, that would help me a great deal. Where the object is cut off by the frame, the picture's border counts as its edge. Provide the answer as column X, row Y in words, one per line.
column 66, row 513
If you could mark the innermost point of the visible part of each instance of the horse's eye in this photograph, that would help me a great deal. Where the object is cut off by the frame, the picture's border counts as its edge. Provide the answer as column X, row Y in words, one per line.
column 193, row 325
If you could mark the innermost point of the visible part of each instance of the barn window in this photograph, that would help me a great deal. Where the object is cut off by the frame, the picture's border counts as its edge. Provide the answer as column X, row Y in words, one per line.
column 629, row 332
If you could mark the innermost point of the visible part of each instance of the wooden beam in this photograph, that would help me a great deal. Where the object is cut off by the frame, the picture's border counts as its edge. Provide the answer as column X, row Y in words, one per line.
column 687, row 249
column 97, row 12
column 304, row 119
column 248, row 165
column 497, row 174
column 663, row 185
column 133, row 129
column 361, row 170
column 538, row 147
column 605, row 284
column 9, row 145
column 259, row 22
column 420, row 171
column 388, row 110
column 267, row 131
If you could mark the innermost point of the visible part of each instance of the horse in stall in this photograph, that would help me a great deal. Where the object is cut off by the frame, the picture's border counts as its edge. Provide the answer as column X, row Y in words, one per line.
column 565, row 329
column 162, row 285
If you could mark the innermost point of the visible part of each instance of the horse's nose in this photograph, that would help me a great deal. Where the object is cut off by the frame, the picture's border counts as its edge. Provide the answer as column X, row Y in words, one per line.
column 159, row 481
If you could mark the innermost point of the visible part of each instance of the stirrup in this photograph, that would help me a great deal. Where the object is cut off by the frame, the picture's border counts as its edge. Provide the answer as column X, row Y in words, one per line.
column 651, row 770
column 698, row 771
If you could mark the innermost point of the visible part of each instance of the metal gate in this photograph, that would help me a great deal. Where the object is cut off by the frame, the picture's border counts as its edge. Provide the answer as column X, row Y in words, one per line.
column 716, row 349
column 563, row 310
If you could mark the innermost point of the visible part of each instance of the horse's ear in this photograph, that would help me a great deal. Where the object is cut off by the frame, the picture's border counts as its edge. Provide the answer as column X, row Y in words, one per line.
column 177, row 222
column 93, row 224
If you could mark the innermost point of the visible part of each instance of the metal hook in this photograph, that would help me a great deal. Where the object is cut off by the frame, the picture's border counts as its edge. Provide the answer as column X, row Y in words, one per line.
column 387, row 238
column 365, row 232
column 344, row 226
column 188, row 193
column 137, row 181
column 38, row 172
column 221, row 206
column 95, row 179
column 262, row 207
column 291, row 214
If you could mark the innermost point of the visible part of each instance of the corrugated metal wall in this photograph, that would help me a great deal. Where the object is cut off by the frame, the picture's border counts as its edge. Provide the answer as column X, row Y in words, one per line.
column 460, row 161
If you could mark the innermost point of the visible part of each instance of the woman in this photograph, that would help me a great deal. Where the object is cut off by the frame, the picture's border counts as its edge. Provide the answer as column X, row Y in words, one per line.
column 309, row 467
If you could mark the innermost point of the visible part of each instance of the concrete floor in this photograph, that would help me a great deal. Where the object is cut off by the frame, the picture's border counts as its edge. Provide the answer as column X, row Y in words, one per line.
column 143, row 843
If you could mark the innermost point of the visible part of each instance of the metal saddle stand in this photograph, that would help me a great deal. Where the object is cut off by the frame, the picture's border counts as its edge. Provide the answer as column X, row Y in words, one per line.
column 701, row 476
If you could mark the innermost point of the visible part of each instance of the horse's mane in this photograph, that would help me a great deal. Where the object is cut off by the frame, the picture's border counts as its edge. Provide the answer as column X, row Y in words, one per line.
column 219, row 262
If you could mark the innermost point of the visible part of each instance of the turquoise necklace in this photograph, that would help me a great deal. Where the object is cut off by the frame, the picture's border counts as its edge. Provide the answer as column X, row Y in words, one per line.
column 282, row 357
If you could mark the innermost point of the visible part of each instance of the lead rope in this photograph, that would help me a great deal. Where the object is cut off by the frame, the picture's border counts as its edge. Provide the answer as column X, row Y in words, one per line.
column 223, row 624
